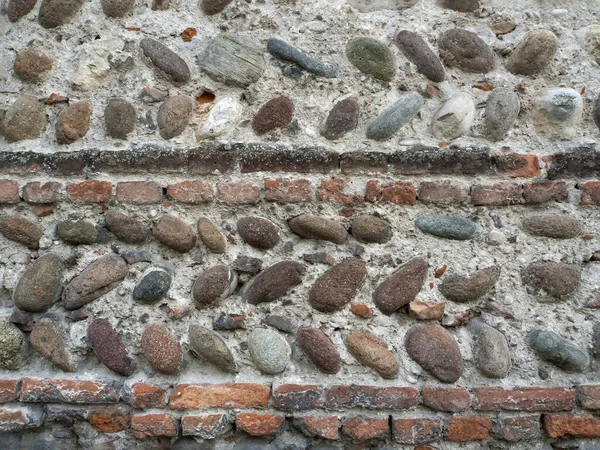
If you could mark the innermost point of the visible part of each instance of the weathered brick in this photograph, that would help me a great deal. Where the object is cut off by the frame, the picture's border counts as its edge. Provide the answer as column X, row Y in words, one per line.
column 559, row 425
column 545, row 191
column 297, row 397
column 518, row 166
column 144, row 159
column 448, row 399
column 497, row 194
column 16, row 419
column 281, row 190
column 588, row 396
column 421, row 160
column 529, row 398
column 9, row 191
column 365, row 428
column 110, row 419
column 443, row 192
column 145, row 395
column 37, row 192
column 590, row 193
column 583, row 162
column 9, row 390
column 139, row 192
column 336, row 190
column 363, row 162
column 519, row 428
column 207, row 426
column 326, row 427
column 238, row 193
column 258, row 424
column 90, row 191
column 398, row 193
column 468, row 428
column 64, row 164
column 267, row 158
column 417, row 430
column 375, row 397
column 211, row 159
column 192, row 192
column 21, row 163
column 154, row 425
column 226, row 395
column 68, row 391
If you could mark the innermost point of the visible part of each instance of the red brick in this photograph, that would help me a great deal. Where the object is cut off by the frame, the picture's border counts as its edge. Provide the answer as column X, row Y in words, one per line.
column 258, row 424
column 468, row 428
column 8, row 390
column 192, row 192
column 531, row 398
column 559, row 425
column 15, row 419
column 145, row 395
column 326, row 427
column 497, row 194
column 67, row 391
column 417, row 431
column 239, row 193
column 518, row 166
column 207, row 426
column 545, row 191
column 589, row 396
column 519, row 428
column 281, row 190
column 297, row 397
column 153, row 425
column 90, row 191
column 447, row 399
column 110, row 419
column 365, row 428
column 590, row 193
column 37, row 192
column 139, row 192
column 337, row 190
column 374, row 397
column 9, row 191
column 226, row 395
column 398, row 193
column 443, row 192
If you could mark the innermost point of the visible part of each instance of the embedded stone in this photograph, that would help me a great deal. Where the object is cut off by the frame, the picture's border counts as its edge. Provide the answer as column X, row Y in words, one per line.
column 277, row 113
column 211, row 236
column 319, row 348
column 109, row 347
column 426, row 310
column 466, row 288
column 371, row 351
column 589, row 39
column 152, row 287
column 557, row 113
column 54, row 13
column 460, row 5
column 116, row 8
column 273, row 282
column 247, row 264
column 258, row 232
column 449, row 227
column 212, row 348
column 174, row 115
column 337, row 287
column 501, row 112
column 126, row 228
column 455, row 117
column 557, row 350
column 213, row 285
column 19, row 229
column 40, row 285
column 47, row 339
column 13, row 346
column 371, row 229
column 372, row 57
column 465, row 50
column 365, row 6
column 166, row 61
column 287, row 52
column 432, row 347
column 490, row 349
column 596, row 340
column 119, row 118
column 161, row 349
column 212, row 7
column 32, row 65
column 401, row 287
column 556, row 226
column 555, row 279
column 73, row 123
column 76, row 232
column 389, row 122
column 24, row 119
column 418, row 52
column 19, row 8
column 269, row 351
column 97, row 279
column 342, row 119
column 502, row 28
column 222, row 118
column 174, row 233
column 229, row 322
column 534, row 53
column 310, row 226
column 281, row 323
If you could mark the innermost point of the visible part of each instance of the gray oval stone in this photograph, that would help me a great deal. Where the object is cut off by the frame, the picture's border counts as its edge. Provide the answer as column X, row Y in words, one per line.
column 152, row 287
column 310, row 226
column 19, row 8
column 19, row 229
column 490, row 349
column 13, row 346
column 501, row 111
column 116, row 8
column 401, row 287
column 418, row 52
column 174, row 115
column 48, row 339
column 395, row 117
column 109, row 348
column 372, row 57
column 534, row 53
column 126, row 228
column 24, row 119
column 211, row 347
column 166, row 60
column 54, row 13
column 39, row 286
column 317, row 347
column 337, row 287
column 273, row 282
column 556, row 226
column 449, row 227
column 119, row 118
column 342, row 119
column 211, row 236
column 174, row 233
column 282, row 50
column 555, row 279
column 78, row 232
column 459, row 288
column 371, row 229
column 373, row 352
column 258, row 232
column 269, row 351
column 557, row 350
column 465, row 50
column 213, row 285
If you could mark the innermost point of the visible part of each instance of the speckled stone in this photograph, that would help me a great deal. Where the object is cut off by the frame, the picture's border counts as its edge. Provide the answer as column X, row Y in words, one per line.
column 401, row 287
column 555, row 279
column 19, row 8
column 213, row 285
column 73, row 123
column 126, row 228
column 454, row 117
column 13, row 346
column 310, row 226
column 258, row 232
column 211, row 236
column 19, row 229
column 24, row 119
column 174, row 115
column 342, row 119
column 287, row 52
column 460, row 5
column 466, row 288
column 169, row 63
column 392, row 119
column 174, row 233
column 371, row 351
column 211, row 7
column 372, row 57
column 119, row 118
column 152, row 287
column 337, row 287
column 40, row 285
column 48, row 339
column 109, row 347
column 501, row 112
column 116, row 8
column 490, row 349
column 273, row 282
column 161, row 349
column 449, row 227
column 276, row 114
column 466, row 51
column 557, row 113
column 269, row 351
column 211, row 347
column 33, row 66
column 416, row 50
column 319, row 348
column 371, row 229
column 78, row 232
column 534, row 53
column 556, row 226
column 54, row 13
column 436, row 351
column 557, row 350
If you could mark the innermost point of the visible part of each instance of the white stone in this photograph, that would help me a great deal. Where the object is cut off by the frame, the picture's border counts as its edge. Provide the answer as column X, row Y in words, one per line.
column 557, row 113
column 223, row 117
column 455, row 117
column 93, row 64
column 589, row 39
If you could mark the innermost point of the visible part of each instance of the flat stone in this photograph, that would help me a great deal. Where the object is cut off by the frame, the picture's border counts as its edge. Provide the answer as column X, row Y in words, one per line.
column 455, row 117
column 389, row 122
column 152, row 287
column 211, row 347
column 211, row 236
column 557, row 350
column 119, row 118
column 490, row 349
column 233, row 59
column 109, row 347
column 372, row 57
column 269, row 351
column 420, row 54
column 276, row 114
column 213, row 285
column 222, row 118
column 273, row 282
column 466, row 288
column 287, row 52
column 337, row 287
column 502, row 28
column 116, row 8
column 371, row 229
column 449, row 227
column 319, row 348
column 97, row 279
column 78, row 232
column 19, row 8
column 126, row 228
column 40, row 285
column 371, row 351
column 33, row 66
column 258, row 232
column 401, row 287
column 342, row 119
column 19, row 229
column 47, row 339
column 174, row 233
column 436, row 351
column 247, row 264
column 174, row 115
column 556, row 226
column 13, row 346
column 589, row 39
column 460, row 5
column 161, row 349
column 466, row 51
column 73, row 123
column 534, row 53
column 211, row 7
column 365, row 6
column 555, row 279
column 426, row 310
column 24, row 119
column 501, row 112
column 54, row 13
column 557, row 113
column 281, row 323
column 310, row 226
column 166, row 61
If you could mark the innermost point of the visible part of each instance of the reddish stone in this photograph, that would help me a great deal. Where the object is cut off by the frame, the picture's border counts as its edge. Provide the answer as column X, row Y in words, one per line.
column 67, row 391
column 9, row 191
column 443, row 192
column 590, row 193
column 588, row 396
column 43, row 210
column 226, row 395
column 191, row 192
column 36, row 192
column 497, row 194
column 277, row 113
column 365, row 428
column 281, row 190
column 446, row 399
column 417, row 431
column 258, row 424
column 362, row 311
column 426, row 310
column 333, row 190
column 297, row 397
column 111, row 419
column 145, row 395
column 154, row 425
column 468, row 428
column 559, row 425
column 238, row 193
column 372, row 397
column 518, row 166
column 8, row 390
column 519, row 428
column 139, row 192
column 531, row 398
column 398, row 193
column 545, row 191
column 324, row 427
column 90, row 191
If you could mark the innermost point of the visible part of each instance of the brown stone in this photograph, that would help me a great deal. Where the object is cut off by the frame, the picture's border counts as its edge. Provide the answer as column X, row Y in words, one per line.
column 337, row 287
column 174, row 115
column 372, row 352
column 32, row 65
column 277, row 113
column 426, row 310
column 211, row 236
column 73, row 123
column 342, row 119
column 534, row 53
column 19, row 8
column 161, row 349
column 401, row 287
column 109, row 347
column 465, row 50
column 446, row 399
column 47, row 339
column 361, row 310
column 258, row 232
column 273, row 282
column 24, row 119
column 319, row 348
column 556, row 226
column 19, row 229
column 459, row 288
column 555, row 279
column 126, row 228
column 174, row 233
column 371, row 229
column 40, row 285
column 213, row 285
column 315, row 227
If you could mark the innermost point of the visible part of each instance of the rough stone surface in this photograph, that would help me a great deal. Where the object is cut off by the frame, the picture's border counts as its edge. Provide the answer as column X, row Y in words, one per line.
column 465, row 50
column 342, row 119
column 371, row 229
column 109, row 347
column 490, row 349
column 33, row 66
column 418, row 52
column 401, row 287
column 372, row 57
column 556, row 226
column 126, row 228
column 455, row 117
column 24, row 119
column 534, row 53
column 19, row 8
column 371, row 351
column 161, row 349
column 276, row 114
column 319, row 348
column 54, row 13
column 365, row 6
column 174, row 233
column 152, row 287
column 287, row 52
column 211, row 236
column 501, row 112
column 39, row 286
column 116, row 8
column 557, row 113
column 557, row 350
column 269, row 351
column 338, row 286
column 390, row 121
column 119, row 117
column 466, row 288
column 47, row 339
column 597, row 111
column 174, row 115
column 19, row 229
column 258, row 232
column 213, row 285
column 314, row 227
column 211, row 347
column 166, row 60
column 449, row 227
column 80, row 232
column 273, row 282
column 555, row 279
column 73, row 123
column 13, row 346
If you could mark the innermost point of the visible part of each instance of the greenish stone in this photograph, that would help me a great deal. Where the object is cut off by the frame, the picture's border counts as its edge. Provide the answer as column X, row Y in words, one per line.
column 395, row 117
column 13, row 346
column 557, row 350
column 449, row 227
column 152, row 287
column 77, row 232
column 269, row 351
column 372, row 57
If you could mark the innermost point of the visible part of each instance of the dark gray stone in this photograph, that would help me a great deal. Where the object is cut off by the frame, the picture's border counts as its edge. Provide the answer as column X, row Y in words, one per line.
column 490, row 349
column 372, row 57
column 116, row 8
column 534, row 53
column 253, row 444
column 401, row 287
column 273, row 282
column 282, row 50
column 556, row 226
column 211, row 347
column 269, row 351
column 77, row 232
column 449, row 227
column 281, row 323
column 174, row 115
column 152, row 287
column 54, row 13
column 460, row 5
column 596, row 111
column 136, row 256
column 459, row 288
column 24, row 119
column 342, row 119
column 557, row 350
column 465, row 50
column 555, row 279
column 418, row 52
column 211, row 7
column 395, row 117
column 40, row 285
column 229, row 322
column 501, row 111
column 166, row 60
column 247, row 264
column 13, row 346
column 119, row 118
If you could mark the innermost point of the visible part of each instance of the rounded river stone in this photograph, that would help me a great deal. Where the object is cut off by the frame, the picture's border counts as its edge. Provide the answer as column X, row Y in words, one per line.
column 269, row 351
column 119, row 118
column 287, row 52
column 166, row 60
column 395, row 117
column 211, row 7
column 556, row 226
column 371, row 351
column 109, row 347
column 211, row 347
column 258, row 232
column 24, row 119
column 277, row 113
column 319, row 348
column 213, row 285
column 54, row 13
column 401, row 287
column 32, row 65
column 273, row 282
column 47, row 339
column 126, row 228
column 555, row 279
column 310, row 226
column 174, row 115
column 557, row 350
column 19, row 8
column 436, row 351
column 174, row 233
column 490, row 349
column 13, row 346
column 73, row 123
column 501, row 111
column 460, row 5
column 152, row 287
column 418, row 52
column 39, row 286
column 372, row 57
column 371, row 229
column 161, row 349
column 337, row 287
column 19, row 229
column 77, row 232
column 449, row 227
column 465, row 288
column 534, row 53
column 116, row 8
column 465, row 50
column 342, row 119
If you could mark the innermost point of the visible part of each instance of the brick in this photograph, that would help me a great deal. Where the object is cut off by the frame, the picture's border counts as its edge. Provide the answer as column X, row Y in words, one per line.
column 191, row 192
column 518, row 166
column 373, row 397
column 258, row 424
column 139, row 192
column 447, row 399
column 154, row 425
column 63, row 164
column 583, row 162
column 145, row 395
column 16, row 419
column 281, row 190
column 297, row 397
column 206, row 426
column 68, row 391
column 9, row 390
column 417, row 430
column 226, row 395
column 238, row 193
column 110, row 419
column 545, row 191
column 532, row 399
column 497, row 194
column 443, row 192
column 590, row 193
column 588, row 396
column 144, row 159
column 358, row 163
column 211, row 159
column 468, row 428
column 421, row 160
column 365, row 428
column 326, row 427
column 21, row 163
column 90, row 191
column 9, row 191
column 559, row 425
column 336, row 190
column 398, row 193
column 519, row 428
column 37, row 192
column 268, row 158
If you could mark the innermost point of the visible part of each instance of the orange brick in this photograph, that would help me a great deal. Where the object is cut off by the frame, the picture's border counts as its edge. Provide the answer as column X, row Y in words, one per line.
column 468, row 428
column 258, row 424
column 446, row 398
column 589, row 396
column 333, row 190
column 226, row 395
column 365, row 428
column 324, row 427
column 559, row 425
column 207, row 426
column 240, row 193
column 281, row 190
column 111, row 419
column 529, row 398
column 590, row 193
column 139, row 192
column 153, row 425
column 90, row 191
column 417, row 430
column 145, row 395
column 15, row 419
column 8, row 390
column 67, row 391
column 398, row 193
column 36, row 192
column 191, row 192
column 518, row 166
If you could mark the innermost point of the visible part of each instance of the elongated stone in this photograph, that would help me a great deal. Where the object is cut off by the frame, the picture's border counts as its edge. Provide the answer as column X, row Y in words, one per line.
column 490, row 349
column 19, row 229
column 534, row 53
column 109, row 347
column 501, row 111
column 39, row 286
column 13, row 346
column 161, row 349
column 116, row 8
column 342, row 119
column 418, row 52
column 78, row 232
column 211, row 347
column 337, row 287
column 47, row 339
column 465, row 50
column 556, row 226
column 365, row 6
column 371, row 351
column 372, row 57
column 211, row 236
column 460, row 5
column 166, row 60
column 174, row 115
column 211, row 7
column 54, row 13
column 319, row 348
column 449, row 227
column 557, row 350
column 389, row 122
column 459, row 288
column 24, row 119
column 371, row 229
column 555, row 279
column 174, row 233
column 269, row 351
column 273, row 282
column 213, row 285
column 315, row 227
column 401, row 287
column 282, row 50
column 596, row 111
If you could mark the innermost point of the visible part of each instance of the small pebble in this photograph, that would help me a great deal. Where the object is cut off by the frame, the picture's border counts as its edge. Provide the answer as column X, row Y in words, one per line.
column 281, row 323
column 460, row 289
column 229, row 322
column 152, row 287
column 247, row 264
column 211, row 236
